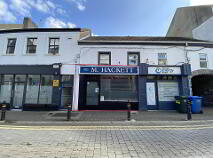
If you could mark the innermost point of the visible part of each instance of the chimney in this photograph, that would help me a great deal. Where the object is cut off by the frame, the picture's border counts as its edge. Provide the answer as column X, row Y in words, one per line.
column 28, row 23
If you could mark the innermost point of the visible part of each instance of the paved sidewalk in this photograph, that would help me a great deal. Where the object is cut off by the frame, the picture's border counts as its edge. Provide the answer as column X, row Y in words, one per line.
column 107, row 117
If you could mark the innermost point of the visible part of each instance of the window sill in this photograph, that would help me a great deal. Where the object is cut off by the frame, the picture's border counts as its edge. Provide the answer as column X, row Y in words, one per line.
column 52, row 54
column 8, row 54
column 29, row 54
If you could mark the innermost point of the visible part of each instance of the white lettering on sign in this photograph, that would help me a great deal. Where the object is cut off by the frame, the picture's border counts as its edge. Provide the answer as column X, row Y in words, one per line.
column 164, row 70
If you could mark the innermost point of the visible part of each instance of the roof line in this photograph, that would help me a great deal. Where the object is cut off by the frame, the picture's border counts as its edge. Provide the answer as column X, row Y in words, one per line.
column 41, row 30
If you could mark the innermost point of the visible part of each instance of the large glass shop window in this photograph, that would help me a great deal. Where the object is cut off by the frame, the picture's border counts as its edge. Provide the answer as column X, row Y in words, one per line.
column 45, row 95
column 167, row 90
column 5, row 88
column 118, row 88
column 32, row 91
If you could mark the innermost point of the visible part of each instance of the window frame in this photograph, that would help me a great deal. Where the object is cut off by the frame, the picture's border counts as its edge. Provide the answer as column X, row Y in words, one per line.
column 102, row 53
column 31, row 45
column 201, row 60
column 55, row 46
column 130, row 53
column 162, row 59
column 9, row 46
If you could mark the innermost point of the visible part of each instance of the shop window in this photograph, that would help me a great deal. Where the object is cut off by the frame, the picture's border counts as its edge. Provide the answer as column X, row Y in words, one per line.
column 20, row 78
column 45, row 95
column 67, row 78
column 118, row 88
column 11, row 46
column 203, row 60
column 162, row 59
column 31, row 45
column 54, row 46
column 133, row 58
column 32, row 91
column 5, row 88
column 104, row 58
column 168, row 90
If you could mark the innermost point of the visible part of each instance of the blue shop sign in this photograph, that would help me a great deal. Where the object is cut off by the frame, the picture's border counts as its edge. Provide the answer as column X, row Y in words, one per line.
column 108, row 70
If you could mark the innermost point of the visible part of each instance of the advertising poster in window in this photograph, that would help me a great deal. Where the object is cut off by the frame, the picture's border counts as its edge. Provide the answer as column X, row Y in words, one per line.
column 150, row 92
column 167, row 91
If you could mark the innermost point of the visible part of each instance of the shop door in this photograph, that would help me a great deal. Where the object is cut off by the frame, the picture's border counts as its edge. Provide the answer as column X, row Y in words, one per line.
column 151, row 96
column 66, row 97
column 18, row 94
column 92, row 93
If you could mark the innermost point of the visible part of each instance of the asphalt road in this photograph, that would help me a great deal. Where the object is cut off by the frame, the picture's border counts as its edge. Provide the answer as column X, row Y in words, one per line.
column 105, row 141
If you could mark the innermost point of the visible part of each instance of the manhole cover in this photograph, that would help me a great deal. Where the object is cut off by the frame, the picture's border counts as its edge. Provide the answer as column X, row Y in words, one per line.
column 64, row 114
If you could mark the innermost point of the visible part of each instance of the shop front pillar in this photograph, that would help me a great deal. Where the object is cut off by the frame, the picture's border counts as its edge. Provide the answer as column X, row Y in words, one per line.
column 142, row 93
column 185, row 90
column 76, row 89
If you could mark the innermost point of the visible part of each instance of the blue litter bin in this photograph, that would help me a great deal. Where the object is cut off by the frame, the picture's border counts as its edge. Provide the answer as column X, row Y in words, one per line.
column 196, row 104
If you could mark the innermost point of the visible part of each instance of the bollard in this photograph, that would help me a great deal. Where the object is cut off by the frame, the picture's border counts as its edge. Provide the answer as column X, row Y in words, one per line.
column 129, row 111
column 3, row 112
column 69, row 107
column 189, row 110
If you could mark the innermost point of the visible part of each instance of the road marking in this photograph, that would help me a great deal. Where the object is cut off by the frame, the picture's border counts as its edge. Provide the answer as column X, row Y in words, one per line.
column 99, row 128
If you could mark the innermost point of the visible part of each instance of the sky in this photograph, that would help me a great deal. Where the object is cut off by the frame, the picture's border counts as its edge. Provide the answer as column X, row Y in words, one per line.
column 103, row 17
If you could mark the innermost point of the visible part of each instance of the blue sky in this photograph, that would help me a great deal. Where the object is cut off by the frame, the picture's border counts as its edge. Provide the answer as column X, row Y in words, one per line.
column 104, row 17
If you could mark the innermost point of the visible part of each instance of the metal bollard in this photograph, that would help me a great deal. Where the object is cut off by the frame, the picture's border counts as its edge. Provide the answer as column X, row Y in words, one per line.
column 3, row 112
column 69, row 107
column 189, row 110
column 129, row 111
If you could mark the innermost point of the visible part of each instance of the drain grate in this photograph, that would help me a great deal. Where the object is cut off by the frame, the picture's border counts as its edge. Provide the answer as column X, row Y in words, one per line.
column 63, row 114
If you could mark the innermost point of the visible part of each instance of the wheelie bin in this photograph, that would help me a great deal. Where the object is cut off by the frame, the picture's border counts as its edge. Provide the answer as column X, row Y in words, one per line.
column 181, row 103
column 196, row 104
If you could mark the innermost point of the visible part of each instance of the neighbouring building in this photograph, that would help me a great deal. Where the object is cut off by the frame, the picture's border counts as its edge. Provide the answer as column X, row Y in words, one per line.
column 197, row 22
column 193, row 22
column 27, row 23
column 32, row 73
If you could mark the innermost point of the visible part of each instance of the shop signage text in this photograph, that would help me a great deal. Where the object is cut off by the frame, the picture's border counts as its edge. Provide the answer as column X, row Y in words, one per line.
column 108, row 70
column 164, row 70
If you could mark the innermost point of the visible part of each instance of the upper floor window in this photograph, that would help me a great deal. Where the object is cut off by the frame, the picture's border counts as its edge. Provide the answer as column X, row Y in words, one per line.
column 162, row 59
column 133, row 58
column 11, row 46
column 31, row 45
column 53, row 46
column 104, row 58
column 203, row 60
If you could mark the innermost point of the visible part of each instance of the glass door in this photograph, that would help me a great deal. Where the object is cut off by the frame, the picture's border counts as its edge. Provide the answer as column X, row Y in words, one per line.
column 19, row 91
column 92, row 93
column 66, row 96
column 18, row 95
column 151, row 95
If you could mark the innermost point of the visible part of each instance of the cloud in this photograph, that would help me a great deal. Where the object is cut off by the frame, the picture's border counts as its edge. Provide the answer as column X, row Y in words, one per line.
column 61, row 11
column 5, row 14
column 79, row 3
column 24, row 7
column 21, row 7
column 200, row 2
column 52, row 22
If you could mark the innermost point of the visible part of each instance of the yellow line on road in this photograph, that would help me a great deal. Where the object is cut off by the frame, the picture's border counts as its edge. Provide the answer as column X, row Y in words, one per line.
column 99, row 128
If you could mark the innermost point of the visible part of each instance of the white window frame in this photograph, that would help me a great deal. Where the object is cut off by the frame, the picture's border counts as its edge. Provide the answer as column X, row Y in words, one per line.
column 162, row 59
column 201, row 60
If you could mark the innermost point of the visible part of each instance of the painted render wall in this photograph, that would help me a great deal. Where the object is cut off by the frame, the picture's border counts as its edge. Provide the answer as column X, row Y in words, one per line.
column 68, row 48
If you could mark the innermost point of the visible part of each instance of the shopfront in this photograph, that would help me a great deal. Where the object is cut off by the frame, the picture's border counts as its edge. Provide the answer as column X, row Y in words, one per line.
column 108, row 87
column 162, row 84
column 30, row 87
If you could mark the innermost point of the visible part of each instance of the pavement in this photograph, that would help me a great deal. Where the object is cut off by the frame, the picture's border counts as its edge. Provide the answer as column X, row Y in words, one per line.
column 106, row 118
column 98, row 134
column 105, row 142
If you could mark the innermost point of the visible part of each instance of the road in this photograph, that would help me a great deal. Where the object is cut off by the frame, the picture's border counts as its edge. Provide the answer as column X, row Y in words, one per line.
column 105, row 142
